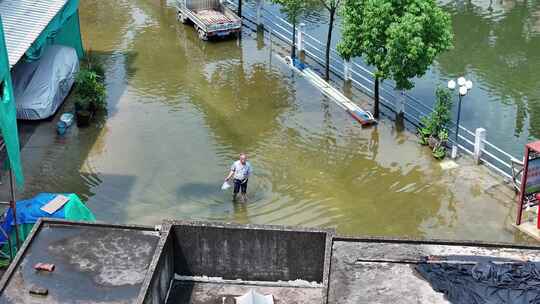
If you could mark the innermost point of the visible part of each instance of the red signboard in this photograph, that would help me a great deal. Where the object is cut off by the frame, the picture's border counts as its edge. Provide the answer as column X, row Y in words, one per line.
column 530, row 181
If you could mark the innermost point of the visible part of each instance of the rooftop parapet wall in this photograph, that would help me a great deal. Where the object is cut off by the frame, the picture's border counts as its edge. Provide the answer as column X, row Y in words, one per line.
column 160, row 277
column 251, row 252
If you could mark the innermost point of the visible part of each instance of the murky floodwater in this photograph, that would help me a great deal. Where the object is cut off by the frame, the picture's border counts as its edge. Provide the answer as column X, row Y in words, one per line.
column 496, row 45
column 180, row 111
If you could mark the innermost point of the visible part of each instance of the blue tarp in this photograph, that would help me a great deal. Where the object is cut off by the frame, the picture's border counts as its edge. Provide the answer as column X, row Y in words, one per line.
column 29, row 211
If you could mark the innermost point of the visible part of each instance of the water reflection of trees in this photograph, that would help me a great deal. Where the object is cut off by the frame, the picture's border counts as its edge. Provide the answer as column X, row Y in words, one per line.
column 246, row 105
column 500, row 44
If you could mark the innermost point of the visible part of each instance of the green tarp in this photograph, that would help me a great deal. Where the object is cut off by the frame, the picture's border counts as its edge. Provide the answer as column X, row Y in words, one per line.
column 8, row 113
column 63, row 29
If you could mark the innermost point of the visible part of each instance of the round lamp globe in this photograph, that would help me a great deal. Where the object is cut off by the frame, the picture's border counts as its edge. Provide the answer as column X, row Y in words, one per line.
column 463, row 90
column 451, row 84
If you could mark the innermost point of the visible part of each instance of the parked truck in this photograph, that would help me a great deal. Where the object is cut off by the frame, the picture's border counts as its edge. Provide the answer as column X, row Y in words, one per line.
column 211, row 18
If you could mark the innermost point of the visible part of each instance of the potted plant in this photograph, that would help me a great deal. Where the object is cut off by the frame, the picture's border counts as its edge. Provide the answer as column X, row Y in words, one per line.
column 82, row 112
column 433, row 131
column 439, row 149
column 425, row 131
column 90, row 96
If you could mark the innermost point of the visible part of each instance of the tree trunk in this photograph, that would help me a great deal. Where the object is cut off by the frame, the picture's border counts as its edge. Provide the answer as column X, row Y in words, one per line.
column 376, row 106
column 293, row 50
column 240, row 8
column 329, row 44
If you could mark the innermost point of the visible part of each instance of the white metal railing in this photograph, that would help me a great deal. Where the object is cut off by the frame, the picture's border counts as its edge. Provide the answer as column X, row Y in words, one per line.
column 363, row 78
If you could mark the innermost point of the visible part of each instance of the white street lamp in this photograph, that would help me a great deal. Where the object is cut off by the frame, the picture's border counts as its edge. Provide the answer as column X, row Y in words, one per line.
column 463, row 90
column 464, row 87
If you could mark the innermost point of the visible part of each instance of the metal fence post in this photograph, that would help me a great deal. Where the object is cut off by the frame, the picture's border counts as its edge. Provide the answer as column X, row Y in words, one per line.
column 260, row 25
column 347, row 74
column 479, row 137
column 300, row 42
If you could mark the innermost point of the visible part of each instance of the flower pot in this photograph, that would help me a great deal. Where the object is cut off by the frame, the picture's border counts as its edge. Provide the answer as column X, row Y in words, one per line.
column 83, row 118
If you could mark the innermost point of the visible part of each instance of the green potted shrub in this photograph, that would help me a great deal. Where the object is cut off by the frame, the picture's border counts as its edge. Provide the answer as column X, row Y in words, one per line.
column 433, row 130
column 425, row 131
column 90, row 93
column 439, row 150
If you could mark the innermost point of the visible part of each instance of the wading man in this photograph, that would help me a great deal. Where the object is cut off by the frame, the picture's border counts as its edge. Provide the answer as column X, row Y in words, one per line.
column 240, row 172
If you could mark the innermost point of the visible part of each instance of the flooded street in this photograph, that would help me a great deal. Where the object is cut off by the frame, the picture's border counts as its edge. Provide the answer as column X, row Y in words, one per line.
column 181, row 110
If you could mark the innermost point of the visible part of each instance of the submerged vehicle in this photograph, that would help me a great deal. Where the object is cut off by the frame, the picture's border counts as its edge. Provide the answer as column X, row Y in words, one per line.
column 210, row 17
column 41, row 86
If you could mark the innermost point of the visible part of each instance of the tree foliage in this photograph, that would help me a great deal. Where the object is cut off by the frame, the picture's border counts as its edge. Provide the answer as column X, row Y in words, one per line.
column 400, row 38
column 292, row 9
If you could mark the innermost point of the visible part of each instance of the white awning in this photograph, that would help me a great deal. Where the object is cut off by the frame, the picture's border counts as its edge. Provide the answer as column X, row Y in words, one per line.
column 23, row 21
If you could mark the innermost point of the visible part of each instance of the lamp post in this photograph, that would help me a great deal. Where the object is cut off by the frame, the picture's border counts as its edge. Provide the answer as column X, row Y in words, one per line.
column 464, row 87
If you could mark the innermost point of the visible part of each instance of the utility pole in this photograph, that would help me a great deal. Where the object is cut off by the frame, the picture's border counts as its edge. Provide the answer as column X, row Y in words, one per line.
column 240, row 8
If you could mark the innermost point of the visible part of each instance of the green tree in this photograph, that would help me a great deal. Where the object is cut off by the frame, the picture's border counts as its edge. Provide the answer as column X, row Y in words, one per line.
column 400, row 38
column 293, row 9
column 332, row 7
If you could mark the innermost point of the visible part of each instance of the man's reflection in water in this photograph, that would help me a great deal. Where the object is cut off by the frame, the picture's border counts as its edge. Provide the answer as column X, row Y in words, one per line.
column 240, row 213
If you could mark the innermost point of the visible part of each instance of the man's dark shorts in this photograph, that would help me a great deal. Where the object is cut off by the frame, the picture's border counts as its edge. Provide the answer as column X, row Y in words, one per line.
column 240, row 185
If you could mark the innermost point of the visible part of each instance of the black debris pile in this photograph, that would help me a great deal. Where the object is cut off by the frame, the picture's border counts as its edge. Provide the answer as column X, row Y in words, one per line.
column 482, row 280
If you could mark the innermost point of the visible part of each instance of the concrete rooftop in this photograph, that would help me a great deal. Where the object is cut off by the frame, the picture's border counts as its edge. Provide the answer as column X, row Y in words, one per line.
column 383, row 272
column 211, row 263
column 94, row 264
